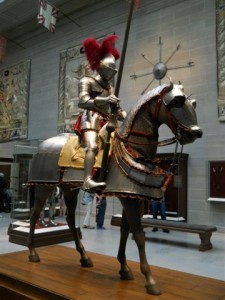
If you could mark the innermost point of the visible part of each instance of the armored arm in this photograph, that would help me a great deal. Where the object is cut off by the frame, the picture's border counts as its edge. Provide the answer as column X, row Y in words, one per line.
column 102, row 101
column 85, row 99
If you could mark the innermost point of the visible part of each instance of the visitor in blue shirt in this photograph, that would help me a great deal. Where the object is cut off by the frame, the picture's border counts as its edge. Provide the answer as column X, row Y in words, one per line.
column 159, row 207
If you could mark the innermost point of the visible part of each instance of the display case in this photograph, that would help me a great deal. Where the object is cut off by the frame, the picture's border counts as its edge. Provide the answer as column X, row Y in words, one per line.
column 51, row 228
column 216, row 171
column 23, row 153
column 5, row 184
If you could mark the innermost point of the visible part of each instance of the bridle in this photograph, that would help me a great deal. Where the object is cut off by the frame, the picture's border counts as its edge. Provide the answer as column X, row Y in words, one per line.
column 166, row 142
column 155, row 117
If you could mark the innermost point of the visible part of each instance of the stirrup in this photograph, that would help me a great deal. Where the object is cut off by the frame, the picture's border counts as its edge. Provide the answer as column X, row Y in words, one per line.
column 90, row 184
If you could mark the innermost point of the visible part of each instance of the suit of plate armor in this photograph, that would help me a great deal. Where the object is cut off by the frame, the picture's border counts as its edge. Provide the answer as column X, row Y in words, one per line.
column 96, row 96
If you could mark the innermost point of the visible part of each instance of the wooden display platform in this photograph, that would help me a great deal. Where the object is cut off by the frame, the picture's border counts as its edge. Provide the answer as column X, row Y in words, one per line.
column 43, row 236
column 59, row 277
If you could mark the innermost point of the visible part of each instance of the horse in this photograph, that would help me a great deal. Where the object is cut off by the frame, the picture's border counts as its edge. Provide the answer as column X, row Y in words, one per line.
column 132, row 173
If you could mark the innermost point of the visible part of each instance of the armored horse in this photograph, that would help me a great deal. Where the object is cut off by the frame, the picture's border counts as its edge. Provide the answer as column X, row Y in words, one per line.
column 133, row 174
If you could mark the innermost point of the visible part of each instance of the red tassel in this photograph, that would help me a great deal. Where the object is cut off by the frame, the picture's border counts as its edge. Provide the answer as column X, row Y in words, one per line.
column 136, row 3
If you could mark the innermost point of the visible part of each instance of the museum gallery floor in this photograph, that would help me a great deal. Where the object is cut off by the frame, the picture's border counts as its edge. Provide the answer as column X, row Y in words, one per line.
column 59, row 276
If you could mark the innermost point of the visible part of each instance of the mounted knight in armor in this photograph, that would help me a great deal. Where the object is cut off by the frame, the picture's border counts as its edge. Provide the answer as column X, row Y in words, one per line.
column 96, row 97
column 132, row 173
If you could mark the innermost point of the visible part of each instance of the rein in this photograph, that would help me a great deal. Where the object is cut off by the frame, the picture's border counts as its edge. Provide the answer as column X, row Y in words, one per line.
column 172, row 165
column 174, row 139
column 155, row 116
column 163, row 143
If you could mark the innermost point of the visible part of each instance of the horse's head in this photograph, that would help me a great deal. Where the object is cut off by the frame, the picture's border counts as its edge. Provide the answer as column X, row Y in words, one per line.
column 181, row 114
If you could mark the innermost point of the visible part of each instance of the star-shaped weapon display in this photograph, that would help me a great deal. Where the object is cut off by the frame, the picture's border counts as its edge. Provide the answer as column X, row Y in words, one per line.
column 160, row 69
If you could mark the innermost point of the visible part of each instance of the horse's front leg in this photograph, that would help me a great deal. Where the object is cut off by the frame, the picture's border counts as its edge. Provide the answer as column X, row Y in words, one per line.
column 40, row 194
column 70, row 197
column 132, row 211
column 125, row 272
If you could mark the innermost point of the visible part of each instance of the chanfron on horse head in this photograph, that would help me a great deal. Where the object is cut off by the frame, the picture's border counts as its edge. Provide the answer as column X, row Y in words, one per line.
column 132, row 172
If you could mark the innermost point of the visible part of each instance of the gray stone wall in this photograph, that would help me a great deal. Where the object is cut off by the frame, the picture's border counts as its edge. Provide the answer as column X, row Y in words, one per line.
column 188, row 22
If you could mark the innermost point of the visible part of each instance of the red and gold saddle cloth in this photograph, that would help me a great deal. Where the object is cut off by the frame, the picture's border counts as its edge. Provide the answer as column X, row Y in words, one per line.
column 73, row 154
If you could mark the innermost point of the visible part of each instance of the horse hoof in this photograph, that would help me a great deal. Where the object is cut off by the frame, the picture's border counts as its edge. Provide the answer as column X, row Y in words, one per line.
column 153, row 289
column 126, row 275
column 86, row 263
column 34, row 258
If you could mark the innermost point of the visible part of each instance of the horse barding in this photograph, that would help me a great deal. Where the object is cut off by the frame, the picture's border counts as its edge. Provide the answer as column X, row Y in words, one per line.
column 132, row 174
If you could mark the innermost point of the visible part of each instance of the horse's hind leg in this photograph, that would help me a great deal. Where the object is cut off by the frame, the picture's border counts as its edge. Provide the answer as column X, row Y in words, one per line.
column 39, row 195
column 70, row 197
column 132, row 211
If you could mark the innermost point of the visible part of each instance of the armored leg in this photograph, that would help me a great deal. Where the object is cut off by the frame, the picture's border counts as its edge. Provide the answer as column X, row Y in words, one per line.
column 52, row 215
column 90, row 142
column 42, row 222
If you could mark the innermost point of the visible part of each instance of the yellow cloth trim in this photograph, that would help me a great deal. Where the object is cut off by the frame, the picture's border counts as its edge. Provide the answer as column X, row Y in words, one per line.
column 72, row 154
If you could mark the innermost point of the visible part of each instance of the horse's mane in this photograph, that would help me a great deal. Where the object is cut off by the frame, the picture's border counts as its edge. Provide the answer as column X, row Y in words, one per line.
column 126, row 126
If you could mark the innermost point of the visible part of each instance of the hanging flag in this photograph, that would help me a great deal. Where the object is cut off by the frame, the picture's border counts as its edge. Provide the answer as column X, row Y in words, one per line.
column 3, row 43
column 47, row 15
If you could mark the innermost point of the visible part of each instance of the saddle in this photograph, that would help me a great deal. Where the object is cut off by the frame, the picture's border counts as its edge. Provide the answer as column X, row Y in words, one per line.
column 73, row 154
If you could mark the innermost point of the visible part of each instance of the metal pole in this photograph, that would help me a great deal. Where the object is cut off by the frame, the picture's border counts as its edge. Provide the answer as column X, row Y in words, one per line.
column 124, row 49
column 112, row 121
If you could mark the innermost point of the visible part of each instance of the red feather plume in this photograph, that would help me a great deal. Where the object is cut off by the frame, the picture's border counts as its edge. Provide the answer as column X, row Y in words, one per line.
column 108, row 47
column 92, row 51
column 95, row 51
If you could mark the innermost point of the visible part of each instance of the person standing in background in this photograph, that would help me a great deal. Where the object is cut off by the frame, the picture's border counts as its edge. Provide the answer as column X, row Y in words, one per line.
column 88, row 201
column 3, row 189
column 100, row 210
column 159, row 207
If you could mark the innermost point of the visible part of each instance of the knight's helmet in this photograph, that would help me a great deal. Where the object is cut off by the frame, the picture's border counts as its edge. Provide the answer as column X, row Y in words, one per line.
column 102, row 57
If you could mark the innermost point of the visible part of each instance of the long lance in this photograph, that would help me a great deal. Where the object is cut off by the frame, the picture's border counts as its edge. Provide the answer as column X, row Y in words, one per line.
column 113, row 120
column 124, row 49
